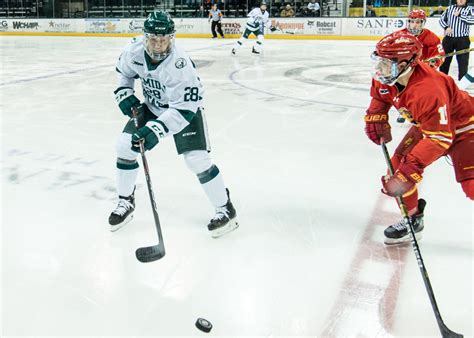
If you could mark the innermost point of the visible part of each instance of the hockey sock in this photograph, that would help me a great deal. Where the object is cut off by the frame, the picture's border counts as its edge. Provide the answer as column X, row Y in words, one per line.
column 213, row 185
column 411, row 201
column 467, row 80
column 126, row 176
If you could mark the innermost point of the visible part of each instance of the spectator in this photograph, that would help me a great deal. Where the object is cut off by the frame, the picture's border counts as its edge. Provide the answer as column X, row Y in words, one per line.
column 199, row 12
column 313, row 9
column 437, row 12
column 287, row 12
column 456, row 21
column 370, row 12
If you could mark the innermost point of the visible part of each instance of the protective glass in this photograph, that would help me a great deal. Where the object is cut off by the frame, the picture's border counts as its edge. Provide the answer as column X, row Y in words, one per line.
column 384, row 70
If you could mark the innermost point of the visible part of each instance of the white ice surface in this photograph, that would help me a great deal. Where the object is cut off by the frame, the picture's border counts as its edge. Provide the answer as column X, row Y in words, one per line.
column 287, row 133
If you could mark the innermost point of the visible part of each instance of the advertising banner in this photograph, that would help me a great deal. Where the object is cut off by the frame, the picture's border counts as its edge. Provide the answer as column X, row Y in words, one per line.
column 372, row 26
column 58, row 25
column 26, row 25
column 322, row 26
column 111, row 26
column 3, row 25
column 231, row 26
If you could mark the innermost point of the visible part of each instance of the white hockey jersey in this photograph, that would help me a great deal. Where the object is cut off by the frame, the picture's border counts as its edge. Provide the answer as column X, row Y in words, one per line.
column 256, row 20
column 172, row 90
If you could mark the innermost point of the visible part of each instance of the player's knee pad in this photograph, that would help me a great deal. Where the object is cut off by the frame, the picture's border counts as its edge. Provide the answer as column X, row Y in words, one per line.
column 124, row 148
column 468, row 187
column 260, row 39
column 198, row 161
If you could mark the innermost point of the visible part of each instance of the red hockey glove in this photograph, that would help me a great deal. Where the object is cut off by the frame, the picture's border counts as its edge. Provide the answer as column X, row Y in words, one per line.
column 377, row 127
column 404, row 179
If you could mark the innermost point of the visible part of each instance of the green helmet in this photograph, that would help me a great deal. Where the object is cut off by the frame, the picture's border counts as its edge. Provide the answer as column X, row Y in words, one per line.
column 160, row 23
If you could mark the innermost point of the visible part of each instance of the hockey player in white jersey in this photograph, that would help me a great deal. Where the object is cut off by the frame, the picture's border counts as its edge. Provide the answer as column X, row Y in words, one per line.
column 173, row 106
column 257, row 20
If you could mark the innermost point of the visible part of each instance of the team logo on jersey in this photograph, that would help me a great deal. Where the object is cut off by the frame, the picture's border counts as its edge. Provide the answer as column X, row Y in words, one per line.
column 180, row 63
column 407, row 114
column 137, row 63
column 383, row 91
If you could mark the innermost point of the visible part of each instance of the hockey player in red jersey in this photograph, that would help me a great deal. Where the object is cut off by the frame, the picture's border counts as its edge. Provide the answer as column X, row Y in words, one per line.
column 442, row 114
column 432, row 51
column 432, row 48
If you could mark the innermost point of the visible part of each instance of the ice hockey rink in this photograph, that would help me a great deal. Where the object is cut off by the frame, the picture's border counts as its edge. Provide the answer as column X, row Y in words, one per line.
column 287, row 132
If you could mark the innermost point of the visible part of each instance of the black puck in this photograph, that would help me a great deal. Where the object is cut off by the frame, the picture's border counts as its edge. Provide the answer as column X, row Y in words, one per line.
column 203, row 325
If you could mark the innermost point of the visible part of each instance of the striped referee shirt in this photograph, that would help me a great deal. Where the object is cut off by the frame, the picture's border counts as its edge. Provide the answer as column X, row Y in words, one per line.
column 459, row 24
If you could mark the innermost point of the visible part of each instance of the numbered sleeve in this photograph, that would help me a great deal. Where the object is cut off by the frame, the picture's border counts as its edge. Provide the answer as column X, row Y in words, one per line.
column 184, row 91
column 434, row 48
column 434, row 123
column 125, row 75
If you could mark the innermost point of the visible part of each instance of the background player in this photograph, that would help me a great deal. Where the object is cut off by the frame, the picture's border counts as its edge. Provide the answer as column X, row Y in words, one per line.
column 432, row 47
column 257, row 20
column 173, row 106
column 443, row 114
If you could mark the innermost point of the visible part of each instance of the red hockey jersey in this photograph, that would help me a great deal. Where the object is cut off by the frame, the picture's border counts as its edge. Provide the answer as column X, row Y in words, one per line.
column 431, row 46
column 432, row 101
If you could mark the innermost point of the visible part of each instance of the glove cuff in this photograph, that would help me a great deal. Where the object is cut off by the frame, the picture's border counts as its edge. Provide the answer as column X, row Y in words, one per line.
column 376, row 117
column 158, row 128
column 410, row 172
column 122, row 93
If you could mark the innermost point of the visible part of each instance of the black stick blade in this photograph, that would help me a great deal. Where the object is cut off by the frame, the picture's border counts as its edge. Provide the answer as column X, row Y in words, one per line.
column 150, row 253
column 447, row 333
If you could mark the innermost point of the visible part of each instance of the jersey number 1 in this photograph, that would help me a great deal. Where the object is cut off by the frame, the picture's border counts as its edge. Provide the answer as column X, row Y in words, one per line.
column 443, row 115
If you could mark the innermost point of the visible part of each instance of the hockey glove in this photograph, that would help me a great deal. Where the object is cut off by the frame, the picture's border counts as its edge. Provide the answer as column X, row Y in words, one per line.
column 403, row 180
column 272, row 28
column 151, row 134
column 126, row 100
column 377, row 127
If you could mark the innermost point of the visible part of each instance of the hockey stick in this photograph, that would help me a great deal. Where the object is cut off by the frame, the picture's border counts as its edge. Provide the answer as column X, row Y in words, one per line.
column 286, row 32
column 459, row 52
column 154, row 252
column 445, row 331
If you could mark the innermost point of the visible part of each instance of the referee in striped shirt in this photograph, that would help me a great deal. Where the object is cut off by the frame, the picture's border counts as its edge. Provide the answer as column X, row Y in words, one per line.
column 455, row 22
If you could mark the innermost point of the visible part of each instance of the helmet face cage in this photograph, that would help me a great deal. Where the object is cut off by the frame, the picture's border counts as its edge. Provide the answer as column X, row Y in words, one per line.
column 415, row 25
column 158, row 46
column 416, row 21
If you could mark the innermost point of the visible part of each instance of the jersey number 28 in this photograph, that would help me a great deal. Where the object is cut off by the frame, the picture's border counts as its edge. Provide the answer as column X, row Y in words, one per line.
column 191, row 94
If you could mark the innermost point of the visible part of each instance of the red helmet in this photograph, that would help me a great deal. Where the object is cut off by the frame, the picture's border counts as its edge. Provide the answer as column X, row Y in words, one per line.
column 400, row 46
column 417, row 14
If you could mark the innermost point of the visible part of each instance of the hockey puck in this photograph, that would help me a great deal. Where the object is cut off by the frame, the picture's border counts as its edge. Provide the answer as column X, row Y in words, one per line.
column 203, row 325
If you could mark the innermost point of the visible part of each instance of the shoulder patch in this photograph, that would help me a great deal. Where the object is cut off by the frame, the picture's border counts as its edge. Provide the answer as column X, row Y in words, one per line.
column 137, row 63
column 180, row 63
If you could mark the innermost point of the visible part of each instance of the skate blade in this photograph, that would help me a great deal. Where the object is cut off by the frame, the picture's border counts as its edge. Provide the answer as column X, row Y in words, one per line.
column 404, row 240
column 116, row 227
column 232, row 225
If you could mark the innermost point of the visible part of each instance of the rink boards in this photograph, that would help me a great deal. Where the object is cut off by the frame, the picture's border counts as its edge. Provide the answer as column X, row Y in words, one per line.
column 292, row 28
